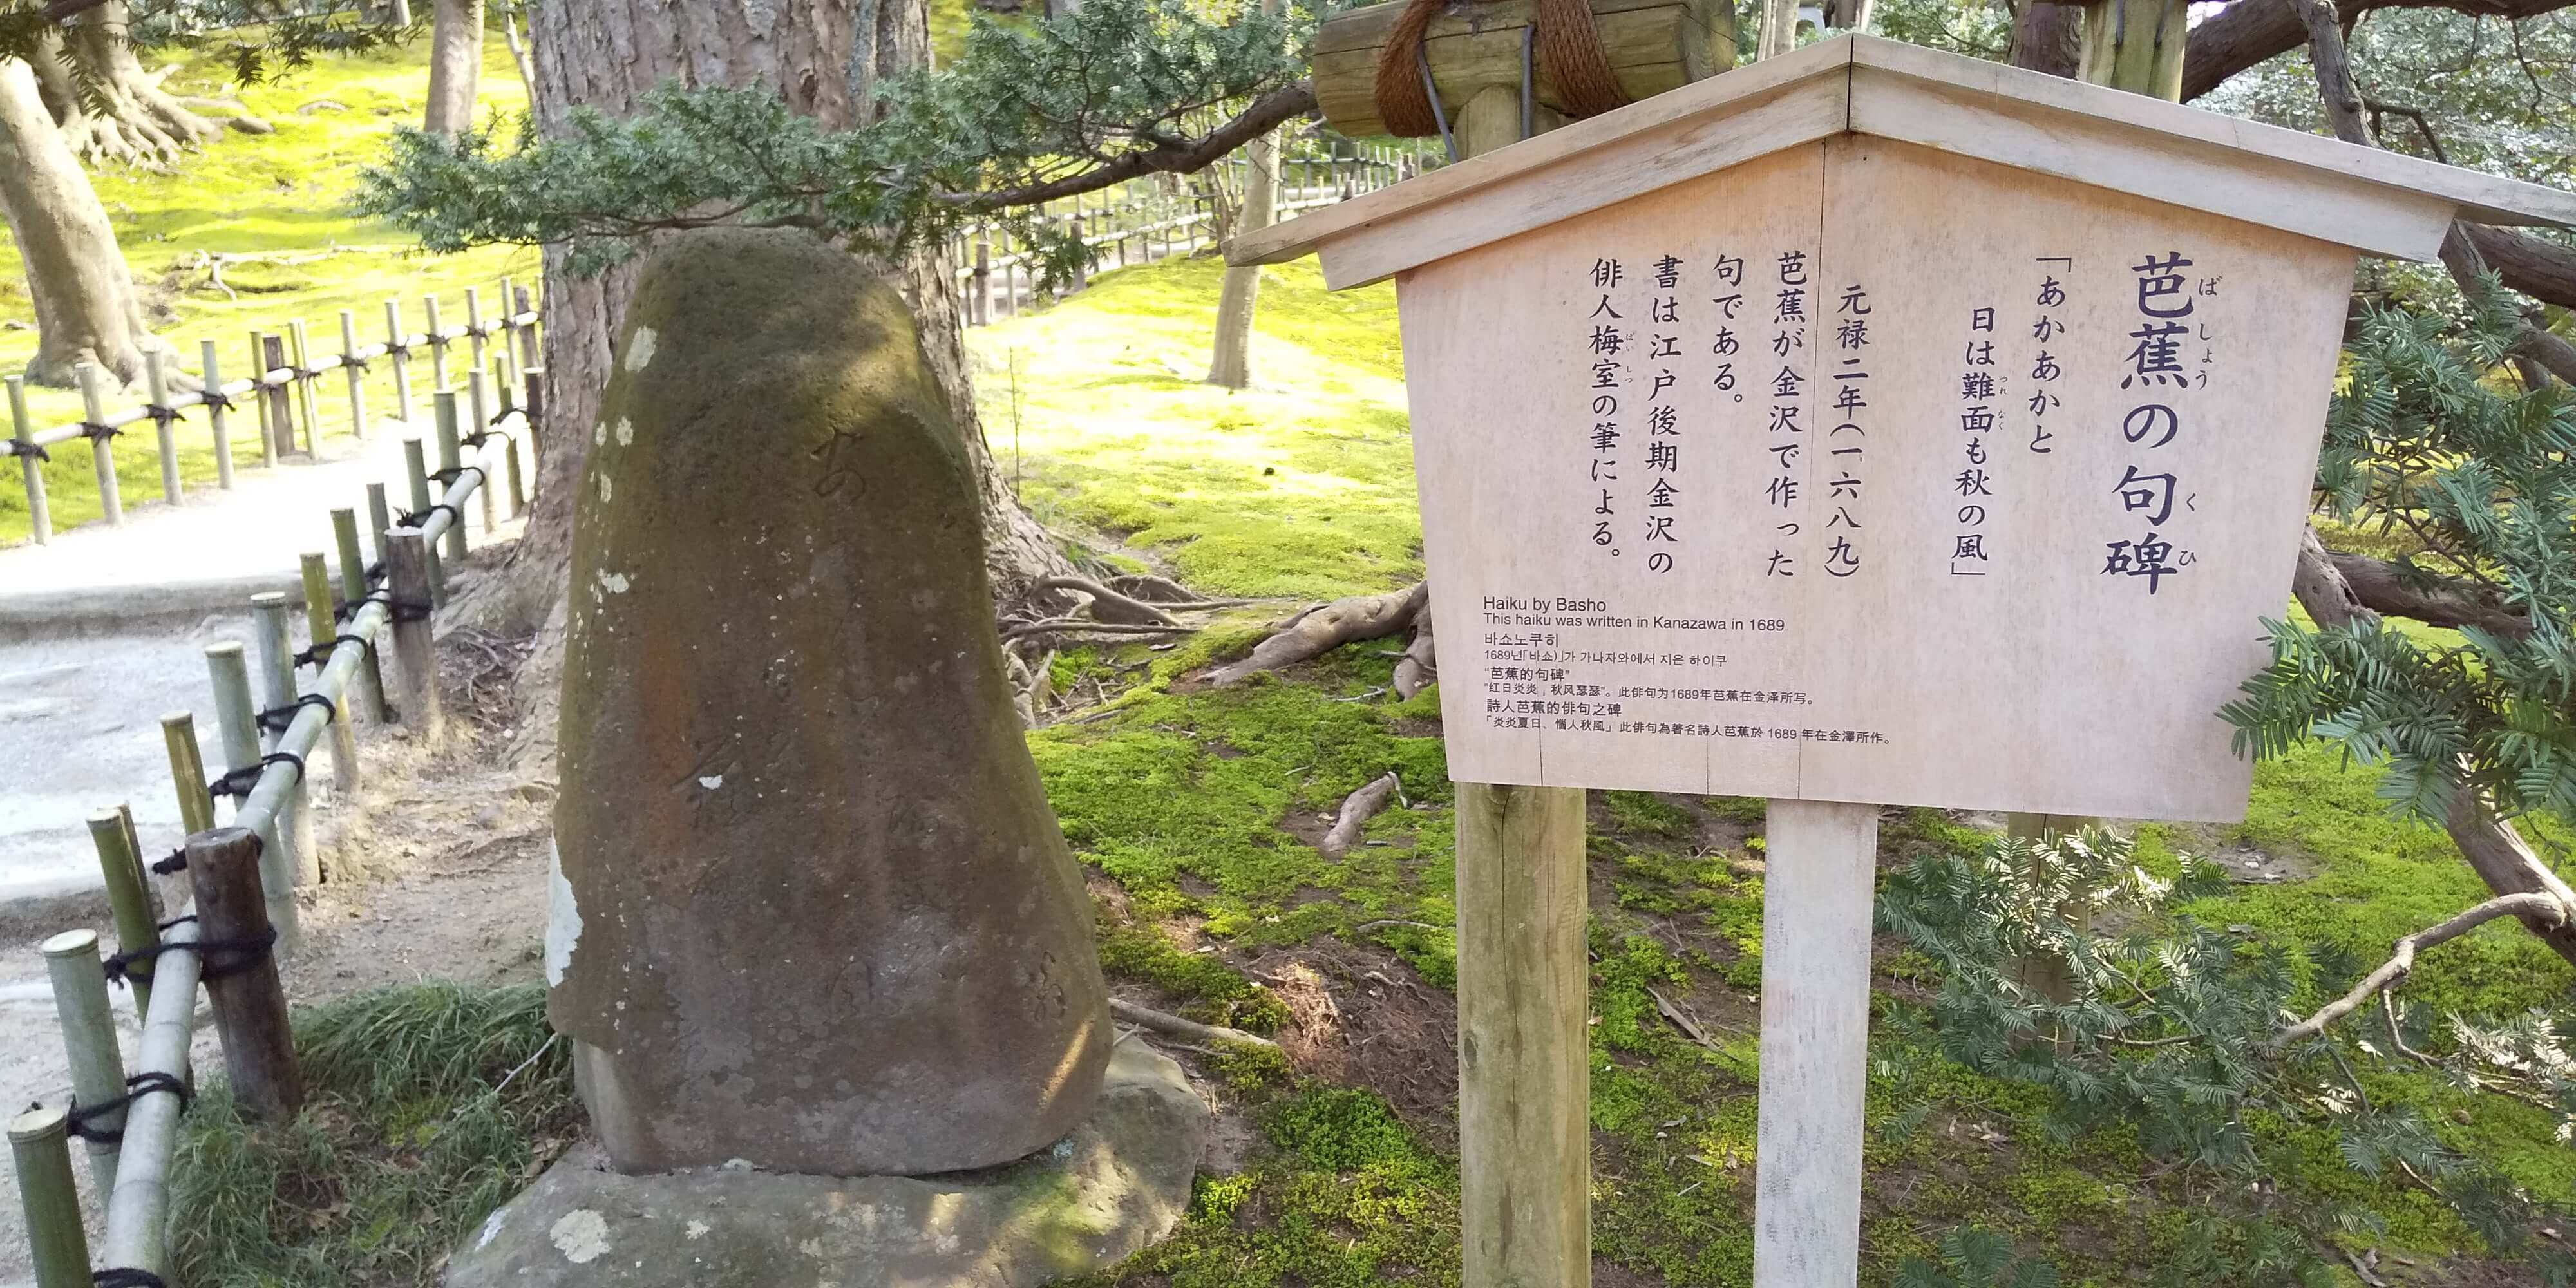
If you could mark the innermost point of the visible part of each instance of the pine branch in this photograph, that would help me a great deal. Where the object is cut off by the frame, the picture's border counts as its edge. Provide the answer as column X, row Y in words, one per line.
column 2402, row 590
column 1168, row 155
column 2548, row 908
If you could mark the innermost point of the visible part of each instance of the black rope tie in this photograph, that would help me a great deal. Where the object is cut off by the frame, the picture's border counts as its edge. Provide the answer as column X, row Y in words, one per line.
column 176, row 863
column 238, row 783
column 397, row 349
column 352, row 362
column 94, row 431
column 419, row 518
column 478, row 438
column 450, row 475
column 148, row 1082
column 280, row 719
column 350, row 610
column 320, row 653
column 30, row 449
column 125, row 1277
column 163, row 416
column 218, row 399
column 217, row 958
column 406, row 610
column 374, row 572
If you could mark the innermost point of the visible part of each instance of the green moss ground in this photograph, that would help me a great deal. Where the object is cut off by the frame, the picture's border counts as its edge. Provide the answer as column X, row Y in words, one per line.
column 284, row 192
column 1193, row 808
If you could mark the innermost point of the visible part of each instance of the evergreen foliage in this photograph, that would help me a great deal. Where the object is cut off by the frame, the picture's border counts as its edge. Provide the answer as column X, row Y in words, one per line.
column 258, row 39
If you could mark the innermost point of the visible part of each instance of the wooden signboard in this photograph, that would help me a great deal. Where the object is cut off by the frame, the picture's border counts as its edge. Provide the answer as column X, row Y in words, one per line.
column 1868, row 426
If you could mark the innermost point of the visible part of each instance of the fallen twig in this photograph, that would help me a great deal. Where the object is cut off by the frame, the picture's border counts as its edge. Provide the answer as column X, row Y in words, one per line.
column 2538, row 905
column 1316, row 631
column 1086, row 626
column 1167, row 1023
column 1366, row 926
column 1357, row 809
column 1108, row 605
column 1680, row 1019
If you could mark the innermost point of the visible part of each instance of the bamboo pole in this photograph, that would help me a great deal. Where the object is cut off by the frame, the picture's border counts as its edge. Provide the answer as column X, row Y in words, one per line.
column 210, row 374
column 380, row 516
column 301, row 348
column 357, row 377
column 165, row 432
column 407, row 574
column 507, row 360
column 417, row 473
column 518, row 481
column 128, row 902
column 477, row 398
column 982, row 314
column 437, row 345
column 31, row 468
column 258, row 395
column 370, row 684
column 89, row 1041
column 398, row 348
column 474, row 330
column 188, row 771
column 321, row 627
column 249, row 1002
column 40, row 1146
column 279, row 398
column 275, row 674
column 138, row 1209
column 450, row 460
column 102, row 457
column 228, row 669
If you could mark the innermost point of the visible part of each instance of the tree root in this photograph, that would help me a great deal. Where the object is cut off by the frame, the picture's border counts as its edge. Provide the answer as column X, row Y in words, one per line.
column 1420, row 667
column 1086, row 626
column 1320, row 630
column 1110, row 606
column 1357, row 809
column 1165, row 1022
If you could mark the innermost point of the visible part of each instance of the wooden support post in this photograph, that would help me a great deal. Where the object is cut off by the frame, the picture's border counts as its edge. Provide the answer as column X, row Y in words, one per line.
column 407, row 563
column 380, row 516
column 228, row 671
column 398, row 349
column 40, row 1146
column 277, row 692
column 187, row 771
column 366, row 694
column 417, row 471
column 300, row 348
column 478, row 398
column 89, row 1040
column 241, row 982
column 357, row 376
column 451, row 453
column 524, row 304
column 1817, row 893
column 210, row 375
column 437, row 345
column 518, row 482
column 280, row 403
column 165, row 432
column 320, row 628
column 981, row 314
column 508, row 358
column 127, row 899
column 258, row 396
column 532, row 394
column 474, row 329
column 31, row 468
column 1524, row 1082
column 102, row 455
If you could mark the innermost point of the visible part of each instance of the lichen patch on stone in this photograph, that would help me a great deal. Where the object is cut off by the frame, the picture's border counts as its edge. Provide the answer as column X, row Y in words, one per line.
column 582, row 1236
column 563, row 918
column 639, row 351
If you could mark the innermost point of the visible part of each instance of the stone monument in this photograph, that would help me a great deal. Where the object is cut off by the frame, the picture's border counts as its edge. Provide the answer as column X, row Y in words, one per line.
column 814, row 931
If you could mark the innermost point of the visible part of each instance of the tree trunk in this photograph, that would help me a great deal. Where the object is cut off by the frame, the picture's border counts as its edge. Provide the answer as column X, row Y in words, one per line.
column 2048, row 37
column 455, row 65
column 111, row 110
column 826, row 64
column 1232, row 364
column 86, row 307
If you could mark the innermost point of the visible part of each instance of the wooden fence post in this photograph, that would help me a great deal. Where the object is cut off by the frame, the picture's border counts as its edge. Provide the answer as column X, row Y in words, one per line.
column 277, row 397
column 1524, row 1077
column 40, row 1146
column 127, row 899
column 89, row 1040
column 398, row 348
column 210, row 374
column 102, row 455
column 277, row 694
column 474, row 328
column 188, row 771
column 228, row 671
column 407, row 565
column 369, row 683
column 508, row 358
column 523, row 304
column 982, row 314
column 380, row 516
column 165, row 434
column 357, row 376
column 416, row 470
column 437, row 345
column 532, row 413
column 1817, row 894
column 241, row 981
column 258, row 396
column 301, row 350
column 31, row 468
column 451, row 458
column 321, row 626
column 478, row 398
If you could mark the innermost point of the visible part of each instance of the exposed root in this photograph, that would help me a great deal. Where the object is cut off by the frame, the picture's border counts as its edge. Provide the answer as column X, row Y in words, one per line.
column 1420, row 667
column 1320, row 630
column 1159, row 590
column 1086, row 626
column 1357, row 809
column 1165, row 1022
column 1110, row 606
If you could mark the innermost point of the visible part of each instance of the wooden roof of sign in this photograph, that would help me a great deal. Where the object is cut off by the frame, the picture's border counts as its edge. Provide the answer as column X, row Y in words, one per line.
column 2381, row 202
